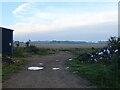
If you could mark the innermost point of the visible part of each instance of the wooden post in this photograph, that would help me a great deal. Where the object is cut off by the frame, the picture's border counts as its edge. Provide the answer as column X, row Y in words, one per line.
column 119, row 19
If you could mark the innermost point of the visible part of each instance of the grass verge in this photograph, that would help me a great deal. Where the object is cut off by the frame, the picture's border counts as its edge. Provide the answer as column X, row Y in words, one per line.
column 102, row 74
column 8, row 70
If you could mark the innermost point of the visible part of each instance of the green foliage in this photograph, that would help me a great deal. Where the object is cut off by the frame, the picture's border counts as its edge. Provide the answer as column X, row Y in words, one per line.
column 28, row 51
column 115, row 61
column 52, row 51
column 20, row 52
column 32, row 48
column 17, row 44
column 114, row 42
column 103, row 74
column 43, row 51
column 8, row 70
column 80, row 51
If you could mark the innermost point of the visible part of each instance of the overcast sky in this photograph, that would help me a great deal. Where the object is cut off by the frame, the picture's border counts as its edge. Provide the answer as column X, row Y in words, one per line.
column 89, row 21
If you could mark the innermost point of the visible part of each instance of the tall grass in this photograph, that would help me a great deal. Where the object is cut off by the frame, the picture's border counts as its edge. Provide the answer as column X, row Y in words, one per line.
column 31, row 50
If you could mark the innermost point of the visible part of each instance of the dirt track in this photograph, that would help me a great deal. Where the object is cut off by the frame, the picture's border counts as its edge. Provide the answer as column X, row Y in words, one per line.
column 47, row 78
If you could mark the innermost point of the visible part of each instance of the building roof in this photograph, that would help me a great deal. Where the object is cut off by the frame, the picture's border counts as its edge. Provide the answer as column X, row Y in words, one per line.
column 1, row 28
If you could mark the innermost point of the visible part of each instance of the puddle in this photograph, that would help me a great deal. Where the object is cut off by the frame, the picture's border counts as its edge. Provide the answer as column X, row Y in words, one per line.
column 67, row 68
column 41, row 64
column 70, row 59
column 55, row 68
column 57, row 60
column 35, row 68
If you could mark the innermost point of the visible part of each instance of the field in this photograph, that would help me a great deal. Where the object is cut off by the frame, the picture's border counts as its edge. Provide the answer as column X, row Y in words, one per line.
column 67, row 46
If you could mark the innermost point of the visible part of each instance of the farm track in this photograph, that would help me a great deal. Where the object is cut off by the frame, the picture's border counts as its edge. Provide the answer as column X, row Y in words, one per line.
column 47, row 78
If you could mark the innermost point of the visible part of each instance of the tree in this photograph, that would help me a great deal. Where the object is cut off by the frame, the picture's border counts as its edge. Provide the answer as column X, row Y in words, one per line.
column 17, row 43
column 28, row 43
column 114, row 42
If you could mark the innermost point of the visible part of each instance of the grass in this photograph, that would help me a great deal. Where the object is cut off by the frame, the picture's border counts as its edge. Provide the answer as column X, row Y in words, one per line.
column 8, row 70
column 102, row 74
column 43, row 51
column 81, row 51
column 25, row 51
column 19, row 52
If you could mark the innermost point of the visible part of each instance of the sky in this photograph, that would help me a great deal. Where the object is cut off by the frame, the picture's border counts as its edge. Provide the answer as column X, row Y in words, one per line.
column 73, row 21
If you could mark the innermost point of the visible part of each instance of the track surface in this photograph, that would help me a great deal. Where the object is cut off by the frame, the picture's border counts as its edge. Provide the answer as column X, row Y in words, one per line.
column 47, row 78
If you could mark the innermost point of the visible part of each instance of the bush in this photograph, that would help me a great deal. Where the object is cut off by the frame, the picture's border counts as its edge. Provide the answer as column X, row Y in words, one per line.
column 19, row 52
column 114, row 42
column 32, row 48
column 102, row 74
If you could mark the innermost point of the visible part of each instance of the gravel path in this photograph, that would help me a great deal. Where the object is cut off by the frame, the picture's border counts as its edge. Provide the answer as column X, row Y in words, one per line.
column 47, row 78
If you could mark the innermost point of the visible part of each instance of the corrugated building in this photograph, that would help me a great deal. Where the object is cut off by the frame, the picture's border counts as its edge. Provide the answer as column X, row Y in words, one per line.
column 6, row 40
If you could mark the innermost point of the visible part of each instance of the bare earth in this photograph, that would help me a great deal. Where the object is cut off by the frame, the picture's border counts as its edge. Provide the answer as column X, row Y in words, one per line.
column 47, row 78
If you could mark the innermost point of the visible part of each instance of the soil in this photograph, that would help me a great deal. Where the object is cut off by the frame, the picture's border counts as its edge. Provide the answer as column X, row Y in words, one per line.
column 47, row 78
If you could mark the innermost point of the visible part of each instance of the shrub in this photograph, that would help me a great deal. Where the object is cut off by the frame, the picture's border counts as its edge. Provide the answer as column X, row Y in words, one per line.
column 32, row 48
column 114, row 42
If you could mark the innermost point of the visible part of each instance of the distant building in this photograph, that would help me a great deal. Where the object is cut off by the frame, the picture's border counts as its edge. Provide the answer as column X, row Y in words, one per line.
column 6, row 40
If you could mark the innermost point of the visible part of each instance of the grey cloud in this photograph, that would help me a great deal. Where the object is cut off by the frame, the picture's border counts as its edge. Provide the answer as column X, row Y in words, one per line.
column 88, row 33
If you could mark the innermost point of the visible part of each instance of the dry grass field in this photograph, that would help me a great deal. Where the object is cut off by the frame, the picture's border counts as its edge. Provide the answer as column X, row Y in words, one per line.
column 67, row 46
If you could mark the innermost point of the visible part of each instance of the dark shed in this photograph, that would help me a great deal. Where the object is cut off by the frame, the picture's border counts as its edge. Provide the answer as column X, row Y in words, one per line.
column 6, row 40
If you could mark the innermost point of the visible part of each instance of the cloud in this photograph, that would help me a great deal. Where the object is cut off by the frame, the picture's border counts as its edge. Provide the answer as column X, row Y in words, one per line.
column 42, row 20
column 20, row 10
column 90, row 33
